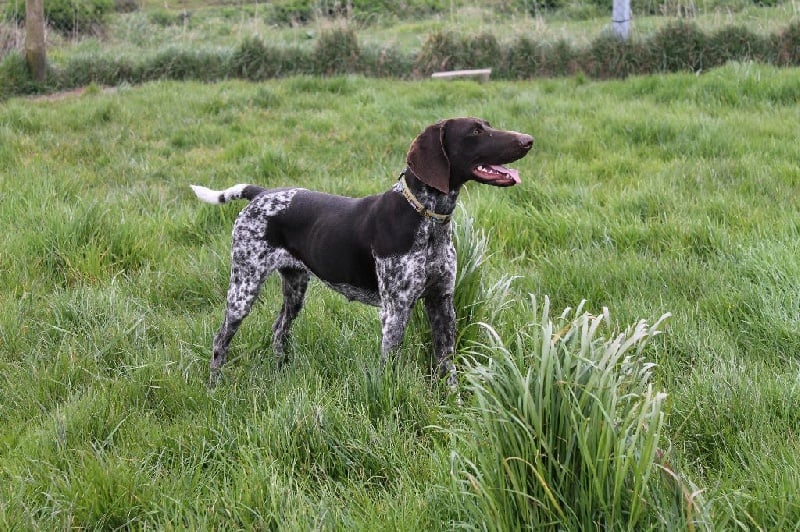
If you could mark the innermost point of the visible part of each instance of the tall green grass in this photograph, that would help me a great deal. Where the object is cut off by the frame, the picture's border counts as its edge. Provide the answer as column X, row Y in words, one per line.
column 566, row 427
column 646, row 196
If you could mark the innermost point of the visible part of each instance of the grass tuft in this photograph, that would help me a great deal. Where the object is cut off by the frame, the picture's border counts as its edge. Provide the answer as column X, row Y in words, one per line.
column 566, row 428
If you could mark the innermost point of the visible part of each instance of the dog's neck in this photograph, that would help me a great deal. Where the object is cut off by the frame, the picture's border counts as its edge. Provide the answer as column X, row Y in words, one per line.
column 426, row 200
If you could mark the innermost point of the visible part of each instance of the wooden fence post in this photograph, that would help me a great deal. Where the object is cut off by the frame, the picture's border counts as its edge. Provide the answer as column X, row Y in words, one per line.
column 35, row 49
column 621, row 18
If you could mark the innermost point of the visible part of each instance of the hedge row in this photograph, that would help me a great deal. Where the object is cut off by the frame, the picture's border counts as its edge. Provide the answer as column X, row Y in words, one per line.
column 679, row 46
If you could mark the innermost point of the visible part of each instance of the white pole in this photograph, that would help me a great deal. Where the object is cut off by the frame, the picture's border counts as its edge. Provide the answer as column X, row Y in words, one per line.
column 621, row 18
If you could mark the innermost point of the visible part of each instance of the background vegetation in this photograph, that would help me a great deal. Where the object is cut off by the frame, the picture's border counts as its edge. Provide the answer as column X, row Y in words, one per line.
column 657, row 194
column 406, row 40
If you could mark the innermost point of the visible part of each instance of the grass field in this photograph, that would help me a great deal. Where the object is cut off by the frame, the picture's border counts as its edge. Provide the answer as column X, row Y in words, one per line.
column 671, row 194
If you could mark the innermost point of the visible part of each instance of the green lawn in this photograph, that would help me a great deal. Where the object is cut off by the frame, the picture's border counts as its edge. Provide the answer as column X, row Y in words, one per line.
column 658, row 194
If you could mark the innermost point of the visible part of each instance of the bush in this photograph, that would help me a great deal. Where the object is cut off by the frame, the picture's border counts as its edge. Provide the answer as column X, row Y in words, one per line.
column 522, row 59
column 436, row 53
column 565, row 430
column 785, row 46
column 251, row 60
column 734, row 43
column 448, row 51
column 67, row 16
column 15, row 77
column 256, row 61
column 560, row 59
column 610, row 57
column 98, row 69
column 183, row 64
column 336, row 52
column 677, row 47
column 386, row 62
column 481, row 51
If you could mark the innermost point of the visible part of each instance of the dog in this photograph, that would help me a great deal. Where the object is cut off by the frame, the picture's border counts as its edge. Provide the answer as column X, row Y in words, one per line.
column 388, row 250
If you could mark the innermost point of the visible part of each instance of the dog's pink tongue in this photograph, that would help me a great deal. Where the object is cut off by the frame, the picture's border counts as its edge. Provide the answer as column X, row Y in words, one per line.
column 509, row 172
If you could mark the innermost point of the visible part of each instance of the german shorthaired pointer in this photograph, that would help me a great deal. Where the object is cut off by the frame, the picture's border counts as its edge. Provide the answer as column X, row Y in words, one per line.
column 387, row 250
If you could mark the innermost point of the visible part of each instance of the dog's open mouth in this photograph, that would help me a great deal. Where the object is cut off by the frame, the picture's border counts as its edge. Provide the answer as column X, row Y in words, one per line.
column 496, row 174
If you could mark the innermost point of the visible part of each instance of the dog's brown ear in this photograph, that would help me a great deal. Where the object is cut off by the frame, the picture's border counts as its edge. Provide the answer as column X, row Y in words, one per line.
column 427, row 158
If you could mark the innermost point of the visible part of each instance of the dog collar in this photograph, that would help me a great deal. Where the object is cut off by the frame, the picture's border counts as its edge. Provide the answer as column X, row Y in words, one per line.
column 419, row 207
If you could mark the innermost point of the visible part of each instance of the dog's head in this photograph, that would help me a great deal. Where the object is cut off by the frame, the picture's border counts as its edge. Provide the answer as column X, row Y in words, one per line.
column 451, row 152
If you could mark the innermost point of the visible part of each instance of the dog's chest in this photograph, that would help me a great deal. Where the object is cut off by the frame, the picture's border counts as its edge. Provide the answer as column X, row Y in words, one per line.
column 436, row 245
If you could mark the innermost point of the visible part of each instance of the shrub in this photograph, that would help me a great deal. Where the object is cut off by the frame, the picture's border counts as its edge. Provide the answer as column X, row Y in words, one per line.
column 565, row 430
column 676, row 47
column 251, row 60
column 99, row 69
column 182, row 64
column 256, row 61
column 435, row 52
column 386, row 62
column 448, row 51
column 610, row 57
column 483, row 50
column 559, row 59
column 336, row 52
column 734, row 43
column 67, row 16
column 15, row 78
column 522, row 59
column 785, row 46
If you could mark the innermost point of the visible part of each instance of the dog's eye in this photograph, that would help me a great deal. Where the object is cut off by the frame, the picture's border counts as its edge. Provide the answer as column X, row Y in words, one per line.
column 476, row 131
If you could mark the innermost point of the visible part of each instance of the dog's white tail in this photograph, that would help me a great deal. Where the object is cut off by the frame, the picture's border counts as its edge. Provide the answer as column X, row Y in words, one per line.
column 221, row 196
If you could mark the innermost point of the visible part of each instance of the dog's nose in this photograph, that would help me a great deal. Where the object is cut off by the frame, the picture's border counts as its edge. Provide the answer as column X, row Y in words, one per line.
column 526, row 141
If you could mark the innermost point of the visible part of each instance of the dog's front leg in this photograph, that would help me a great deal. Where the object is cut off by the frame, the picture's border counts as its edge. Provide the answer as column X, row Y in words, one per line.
column 401, row 281
column 394, row 320
column 442, row 318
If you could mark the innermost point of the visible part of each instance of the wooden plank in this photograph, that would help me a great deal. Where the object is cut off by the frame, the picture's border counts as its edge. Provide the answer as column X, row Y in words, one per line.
column 481, row 74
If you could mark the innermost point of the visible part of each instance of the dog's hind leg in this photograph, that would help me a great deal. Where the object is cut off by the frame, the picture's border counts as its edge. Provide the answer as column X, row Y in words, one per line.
column 248, row 272
column 295, row 282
